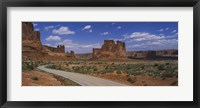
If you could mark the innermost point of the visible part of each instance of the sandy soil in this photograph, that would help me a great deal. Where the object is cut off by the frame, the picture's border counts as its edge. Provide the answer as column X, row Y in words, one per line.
column 141, row 80
column 43, row 79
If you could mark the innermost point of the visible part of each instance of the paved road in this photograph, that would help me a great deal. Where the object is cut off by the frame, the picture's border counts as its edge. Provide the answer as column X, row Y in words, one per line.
column 84, row 80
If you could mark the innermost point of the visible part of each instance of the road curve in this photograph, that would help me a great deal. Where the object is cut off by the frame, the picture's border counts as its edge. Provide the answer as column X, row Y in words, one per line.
column 84, row 80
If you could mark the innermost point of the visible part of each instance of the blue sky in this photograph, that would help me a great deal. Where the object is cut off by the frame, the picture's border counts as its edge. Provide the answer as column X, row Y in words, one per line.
column 81, row 37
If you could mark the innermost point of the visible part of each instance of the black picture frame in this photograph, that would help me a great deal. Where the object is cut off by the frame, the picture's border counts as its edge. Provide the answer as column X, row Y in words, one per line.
column 99, row 3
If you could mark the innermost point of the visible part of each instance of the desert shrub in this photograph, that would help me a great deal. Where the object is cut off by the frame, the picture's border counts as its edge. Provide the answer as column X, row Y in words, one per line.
column 113, row 64
column 171, row 68
column 142, row 67
column 132, row 80
column 167, row 74
column 106, row 67
column 156, row 64
column 51, row 66
column 109, row 70
column 118, row 72
column 128, row 75
column 68, row 69
column 155, row 73
column 166, row 63
column 35, row 78
column 145, row 84
column 28, row 66
column 95, row 69
column 99, row 63
column 137, row 73
column 161, row 67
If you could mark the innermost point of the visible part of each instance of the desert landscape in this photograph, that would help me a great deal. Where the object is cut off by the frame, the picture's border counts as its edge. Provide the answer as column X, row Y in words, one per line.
column 109, row 63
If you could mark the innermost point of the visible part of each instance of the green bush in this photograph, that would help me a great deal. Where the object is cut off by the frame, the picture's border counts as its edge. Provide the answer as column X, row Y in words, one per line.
column 35, row 78
column 119, row 72
column 142, row 67
column 28, row 66
column 109, row 70
column 137, row 73
column 95, row 69
column 167, row 74
column 132, row 80
column 156, row 64
column 166, row 63
column 161, row 67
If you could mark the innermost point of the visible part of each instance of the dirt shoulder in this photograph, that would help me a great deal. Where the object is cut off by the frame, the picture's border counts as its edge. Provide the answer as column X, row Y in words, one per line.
column 38, row 78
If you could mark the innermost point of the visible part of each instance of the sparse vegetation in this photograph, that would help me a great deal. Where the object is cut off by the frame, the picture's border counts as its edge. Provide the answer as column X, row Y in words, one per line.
column 161, row 70
column 158, row 69
column 132, row 80
column 28, row 66
column 35, row 78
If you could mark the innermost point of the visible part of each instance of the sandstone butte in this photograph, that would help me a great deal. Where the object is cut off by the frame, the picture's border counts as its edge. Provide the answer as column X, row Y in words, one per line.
column 117, row 50
column 110, row 50
column 32, row 48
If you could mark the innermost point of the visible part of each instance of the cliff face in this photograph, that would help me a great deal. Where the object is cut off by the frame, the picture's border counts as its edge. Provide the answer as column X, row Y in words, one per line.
column 110, row 49
column 28, row 34
column 31, row 44
column 143, row 55
column 32, row 49
column 153, row 54
column 167, row 52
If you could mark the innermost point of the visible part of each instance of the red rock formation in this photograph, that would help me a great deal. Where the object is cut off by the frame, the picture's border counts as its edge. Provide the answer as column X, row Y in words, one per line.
column 143, row 54
column 32, row 49
column 59, row 49
column 121, row 49
column 152, row 54
column 167, row 52
column 110, row 49
column 96, row 53
column 28, row 33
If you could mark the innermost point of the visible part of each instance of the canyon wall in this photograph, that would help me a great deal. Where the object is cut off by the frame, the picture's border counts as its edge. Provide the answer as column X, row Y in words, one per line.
column 32, row 48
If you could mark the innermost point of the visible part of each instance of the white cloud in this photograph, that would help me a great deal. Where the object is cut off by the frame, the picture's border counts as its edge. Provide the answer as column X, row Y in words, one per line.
column 161, row 34
column 154, row 45
column 119, row 27
column 90, row 30
column 161, row 30
column 148, row 41
column 104, row 33
column 87, row 27
column 174, row 31
column 48, row 27
column 37, row 29
column 53, row 38
column 47, row 44
column 35, row 24
column 64, row 30
column 70, row 45
column 164, row 29
column 143, row 36
column 57, row 25
column 112, row 23
column 96, row 45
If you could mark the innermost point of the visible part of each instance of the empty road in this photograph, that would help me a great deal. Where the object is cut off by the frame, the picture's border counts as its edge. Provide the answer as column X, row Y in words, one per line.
column 84, row 80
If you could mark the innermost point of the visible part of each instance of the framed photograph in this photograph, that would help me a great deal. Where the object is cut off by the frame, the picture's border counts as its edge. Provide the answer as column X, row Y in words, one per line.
column 88, row 53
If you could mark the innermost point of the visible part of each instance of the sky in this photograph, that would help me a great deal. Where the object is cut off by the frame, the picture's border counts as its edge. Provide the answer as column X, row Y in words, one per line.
column 82, row 37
